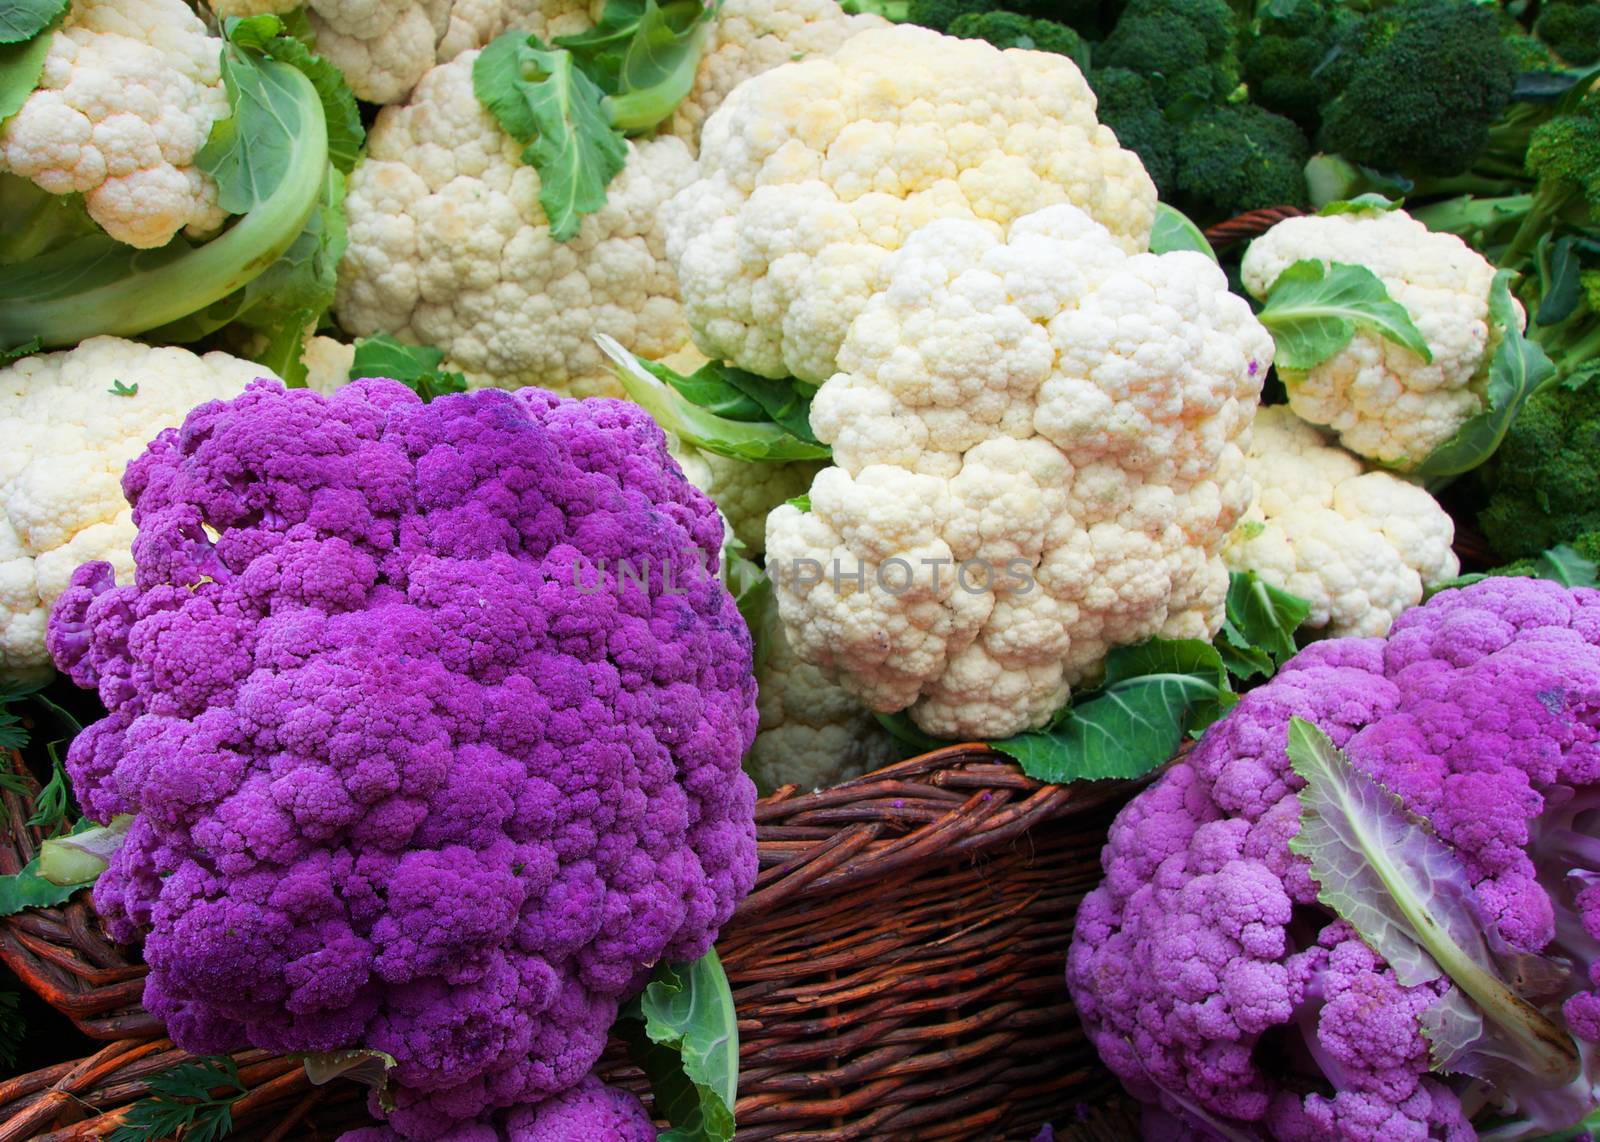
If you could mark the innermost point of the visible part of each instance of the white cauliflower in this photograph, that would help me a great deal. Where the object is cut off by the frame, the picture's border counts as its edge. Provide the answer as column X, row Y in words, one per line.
column 69, row 436
column 1039, row 450
column 754, row 36
column 384, row 47
column 450, row 247
column 129, row 92
column 1358, row 546
column 327, row 362
column 1384, row 401
column 813, row 173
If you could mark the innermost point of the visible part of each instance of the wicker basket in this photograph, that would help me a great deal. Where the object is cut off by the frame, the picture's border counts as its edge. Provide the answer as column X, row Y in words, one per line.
column 898, row 969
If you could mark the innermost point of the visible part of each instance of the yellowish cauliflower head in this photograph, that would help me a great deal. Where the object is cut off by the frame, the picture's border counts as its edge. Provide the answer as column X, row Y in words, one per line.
column 384, row 47
column 1039, row 449
column 1358, row 546
column 1383, row 401
column 128, row 95
column 815, row 172
column 450, row 247
column 68, row 438
column 754, row 36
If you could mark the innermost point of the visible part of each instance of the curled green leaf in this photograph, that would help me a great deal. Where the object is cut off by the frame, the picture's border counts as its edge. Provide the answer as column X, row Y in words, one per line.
column 1314, row 308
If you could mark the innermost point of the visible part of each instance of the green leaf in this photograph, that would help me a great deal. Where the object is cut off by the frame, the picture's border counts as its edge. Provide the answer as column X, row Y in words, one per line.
column 683, row 1033
column 742, row 440
column 415, row 366
column 1153, row 694
column 82, row 855
column 54, row 802
column 1362, row 203
column 1174, row 231
column 540, row 98
column 361, row 1065
column 1314, row 309
column 268, row 35
column 1257, row 634
column 118, row 389
column 1412, row 901
column 904, row 731
column 21, row 65
column 710, row 389
column 1517, row 370
column 22, row 20
column 26, row 349
column 1561, row 274
column 29, row 888
column 1564, row 565
column 250, row 152
column 182, row 1104
column 802, row 502
column 13, row 735
column 658, row 67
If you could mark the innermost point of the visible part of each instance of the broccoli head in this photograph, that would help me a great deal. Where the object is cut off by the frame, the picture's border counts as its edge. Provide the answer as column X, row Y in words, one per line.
column 1546, row 474
column 941, row 14
column 1293, row 38
column 1184, row 47
column 1009, row 30
column 1416, row 87
column 1127, row 105
column 1239, row 157
column 1572, row 31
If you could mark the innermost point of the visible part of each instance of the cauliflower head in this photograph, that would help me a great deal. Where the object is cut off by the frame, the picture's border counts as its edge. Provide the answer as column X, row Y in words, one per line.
column 418, row 764
column 383, row 47
column 587, row 1112
column 1383, row 401
column 1039, row 449
column 1358, row 546
column 754, row 36
column 813, row 173
column 69, row 432
column 128, row 95
column 448, row 246
column 1209, row 976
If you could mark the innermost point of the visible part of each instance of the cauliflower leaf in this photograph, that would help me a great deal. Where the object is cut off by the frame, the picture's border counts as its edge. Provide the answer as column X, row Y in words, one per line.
column 1314, row 308
column 415, row 366
column 22, row 20
column 1257, row 636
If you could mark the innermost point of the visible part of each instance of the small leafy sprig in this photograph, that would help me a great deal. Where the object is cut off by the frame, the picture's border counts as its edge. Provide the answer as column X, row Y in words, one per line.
column 182, row 1104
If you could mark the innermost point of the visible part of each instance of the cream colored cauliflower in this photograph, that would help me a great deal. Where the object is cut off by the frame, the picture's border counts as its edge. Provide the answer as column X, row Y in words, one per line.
column 69, row 436
column 1383, row 401
column 327, row 362
column 755, row 36
column 813, row 173
column 384, row 47
column 129, row 92
column 1358, row 546
column 1039, row 449
column 449, row 247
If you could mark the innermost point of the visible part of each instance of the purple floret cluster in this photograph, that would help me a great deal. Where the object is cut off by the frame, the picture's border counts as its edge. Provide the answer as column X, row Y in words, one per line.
column 1211, row 979
column 415, row 768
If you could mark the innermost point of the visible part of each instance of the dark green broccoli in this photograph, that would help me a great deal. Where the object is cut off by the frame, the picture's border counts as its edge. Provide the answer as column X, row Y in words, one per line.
column 1126, row 105
column 1564, row 160
column 1415, row 87
column 1010, row 30
column 1531, row 53
column 1291, row 40
column 1587, row 546
column 1546, row 473
column 1572, row 30
column 1239, row 157
column 940, row 14
column 1184, row 47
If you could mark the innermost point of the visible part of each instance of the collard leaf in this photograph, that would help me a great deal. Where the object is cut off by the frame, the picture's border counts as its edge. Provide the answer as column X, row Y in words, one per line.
column 415, row 366
column 539, row 97
column 1314, row 309
column 742, row 440
column 1412, row 901
column 1517, row 370
column 1362, row 203
column 21, row 65
column 1174, row 231
column 22, row 20
column 682, row 1032
column 1152, row 695
column 1257, row 634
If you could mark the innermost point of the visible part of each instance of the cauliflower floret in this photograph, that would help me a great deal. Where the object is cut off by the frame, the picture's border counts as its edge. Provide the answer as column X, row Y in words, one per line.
column 129, row 92
column 1358, row 546
column 1039, row 449
column 755, row 36
column 327, row 363
column 383, row 48
column 69, row 436
column 449, row 247
column 1383, row 401
column 815, row 172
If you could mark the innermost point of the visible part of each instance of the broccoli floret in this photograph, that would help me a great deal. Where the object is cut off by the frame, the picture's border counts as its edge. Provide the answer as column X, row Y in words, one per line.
column 1010, row 30
column 1415, row 87
column 1531, row 53
column 1572, row 31
column 1292, row 39
column 1546, row 474
column 1239, row 157
column 940, row 14
column 1127, row 106
column 1184, row 47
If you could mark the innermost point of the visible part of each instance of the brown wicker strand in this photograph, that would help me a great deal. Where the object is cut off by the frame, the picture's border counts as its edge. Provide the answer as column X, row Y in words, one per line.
column 1249, row 225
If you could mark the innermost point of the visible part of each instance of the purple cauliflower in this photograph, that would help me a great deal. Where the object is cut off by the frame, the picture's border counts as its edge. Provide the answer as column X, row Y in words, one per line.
column 431, row 716
column 1229, row 997
column 587, row 1112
